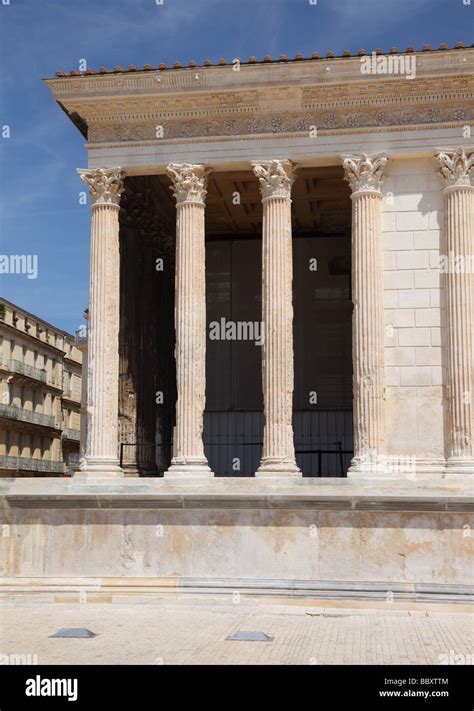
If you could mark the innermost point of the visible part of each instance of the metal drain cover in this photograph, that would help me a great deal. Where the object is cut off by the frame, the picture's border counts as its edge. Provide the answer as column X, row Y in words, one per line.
column 250, row 637
column 74, row 632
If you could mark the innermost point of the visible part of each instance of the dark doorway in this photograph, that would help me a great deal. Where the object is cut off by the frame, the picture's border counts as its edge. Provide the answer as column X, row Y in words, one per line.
column 322, row 414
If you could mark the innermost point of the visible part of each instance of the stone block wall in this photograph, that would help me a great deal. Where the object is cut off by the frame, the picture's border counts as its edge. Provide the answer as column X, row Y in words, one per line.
column 415, row 371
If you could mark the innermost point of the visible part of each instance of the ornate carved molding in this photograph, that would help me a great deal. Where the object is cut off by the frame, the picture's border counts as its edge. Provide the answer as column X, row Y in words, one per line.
column 364, row 172
column 105, row 185
column 224, row 124
column 264, row 99
column 457, row 167
column 275, row 177
column 189, row 182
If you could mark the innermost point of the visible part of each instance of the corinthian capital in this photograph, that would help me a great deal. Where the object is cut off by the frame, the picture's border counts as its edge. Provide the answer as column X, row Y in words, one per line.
column 105, row 185
column 189, row 182
column 275, row 177
column 364, row 172
column 457, row 167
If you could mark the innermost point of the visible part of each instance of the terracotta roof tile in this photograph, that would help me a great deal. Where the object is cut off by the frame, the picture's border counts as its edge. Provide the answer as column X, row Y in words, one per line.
column 253, row 60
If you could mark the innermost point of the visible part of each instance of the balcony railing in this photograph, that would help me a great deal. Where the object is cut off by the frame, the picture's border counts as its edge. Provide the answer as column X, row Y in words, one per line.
column 16, row 366
column 18, row 413
column 71, row 434
column 30, row 464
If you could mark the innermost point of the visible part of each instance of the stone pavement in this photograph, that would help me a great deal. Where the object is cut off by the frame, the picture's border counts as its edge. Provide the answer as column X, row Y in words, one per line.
column 195, row 631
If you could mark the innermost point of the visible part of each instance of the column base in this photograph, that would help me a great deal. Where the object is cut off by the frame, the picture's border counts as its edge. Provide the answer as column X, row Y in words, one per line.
column 464, row 466
column 99, row 469
column 368, row 467
column 273, row 467
column 184, row 468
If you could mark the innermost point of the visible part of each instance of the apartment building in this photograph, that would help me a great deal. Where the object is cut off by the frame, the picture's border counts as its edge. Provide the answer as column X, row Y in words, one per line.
column 40, row 396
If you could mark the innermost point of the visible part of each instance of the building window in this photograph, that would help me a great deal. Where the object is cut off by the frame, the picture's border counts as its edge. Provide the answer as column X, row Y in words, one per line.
column 7, row 442
column 32, row 445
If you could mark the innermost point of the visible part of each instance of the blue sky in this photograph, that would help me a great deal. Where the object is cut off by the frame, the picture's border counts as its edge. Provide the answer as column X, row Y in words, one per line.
column 39, row 197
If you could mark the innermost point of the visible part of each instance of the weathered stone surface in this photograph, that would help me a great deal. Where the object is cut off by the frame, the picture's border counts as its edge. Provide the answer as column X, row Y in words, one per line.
column 255, row 530
column 101, row 455
column 278, row 456
column 457, row 171
column 365, row 176
column 189, row 184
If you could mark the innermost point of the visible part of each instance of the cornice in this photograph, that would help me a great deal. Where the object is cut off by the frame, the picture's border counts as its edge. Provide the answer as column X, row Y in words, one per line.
column 277, row 99
column 185, row 81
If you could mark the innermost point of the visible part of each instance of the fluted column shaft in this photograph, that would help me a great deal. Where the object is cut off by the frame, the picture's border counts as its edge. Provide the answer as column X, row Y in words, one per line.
column 101, row 450
column 457, row 172
column 278, row 455
column 364, row 173
column 82, row 346
column 189, row 186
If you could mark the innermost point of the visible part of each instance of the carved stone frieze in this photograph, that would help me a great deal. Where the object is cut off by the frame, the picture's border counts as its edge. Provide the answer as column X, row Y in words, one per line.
column 258, row 124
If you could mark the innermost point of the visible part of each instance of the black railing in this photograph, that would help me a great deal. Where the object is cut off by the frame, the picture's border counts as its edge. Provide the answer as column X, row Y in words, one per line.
column 143, row 458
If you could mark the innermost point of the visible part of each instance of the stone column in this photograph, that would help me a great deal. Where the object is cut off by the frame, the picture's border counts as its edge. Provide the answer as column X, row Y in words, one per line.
column 190, row 189
column 101, row 455
column 457, row 171
column 278, row 456
column 364, row 174
column 81, row 343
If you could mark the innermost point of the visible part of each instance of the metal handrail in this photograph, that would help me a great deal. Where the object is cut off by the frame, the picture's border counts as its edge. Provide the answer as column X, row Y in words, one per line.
column 319, row 451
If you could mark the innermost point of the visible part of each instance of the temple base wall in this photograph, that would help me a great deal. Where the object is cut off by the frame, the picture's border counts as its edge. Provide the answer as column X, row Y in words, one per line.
column 299, row 539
